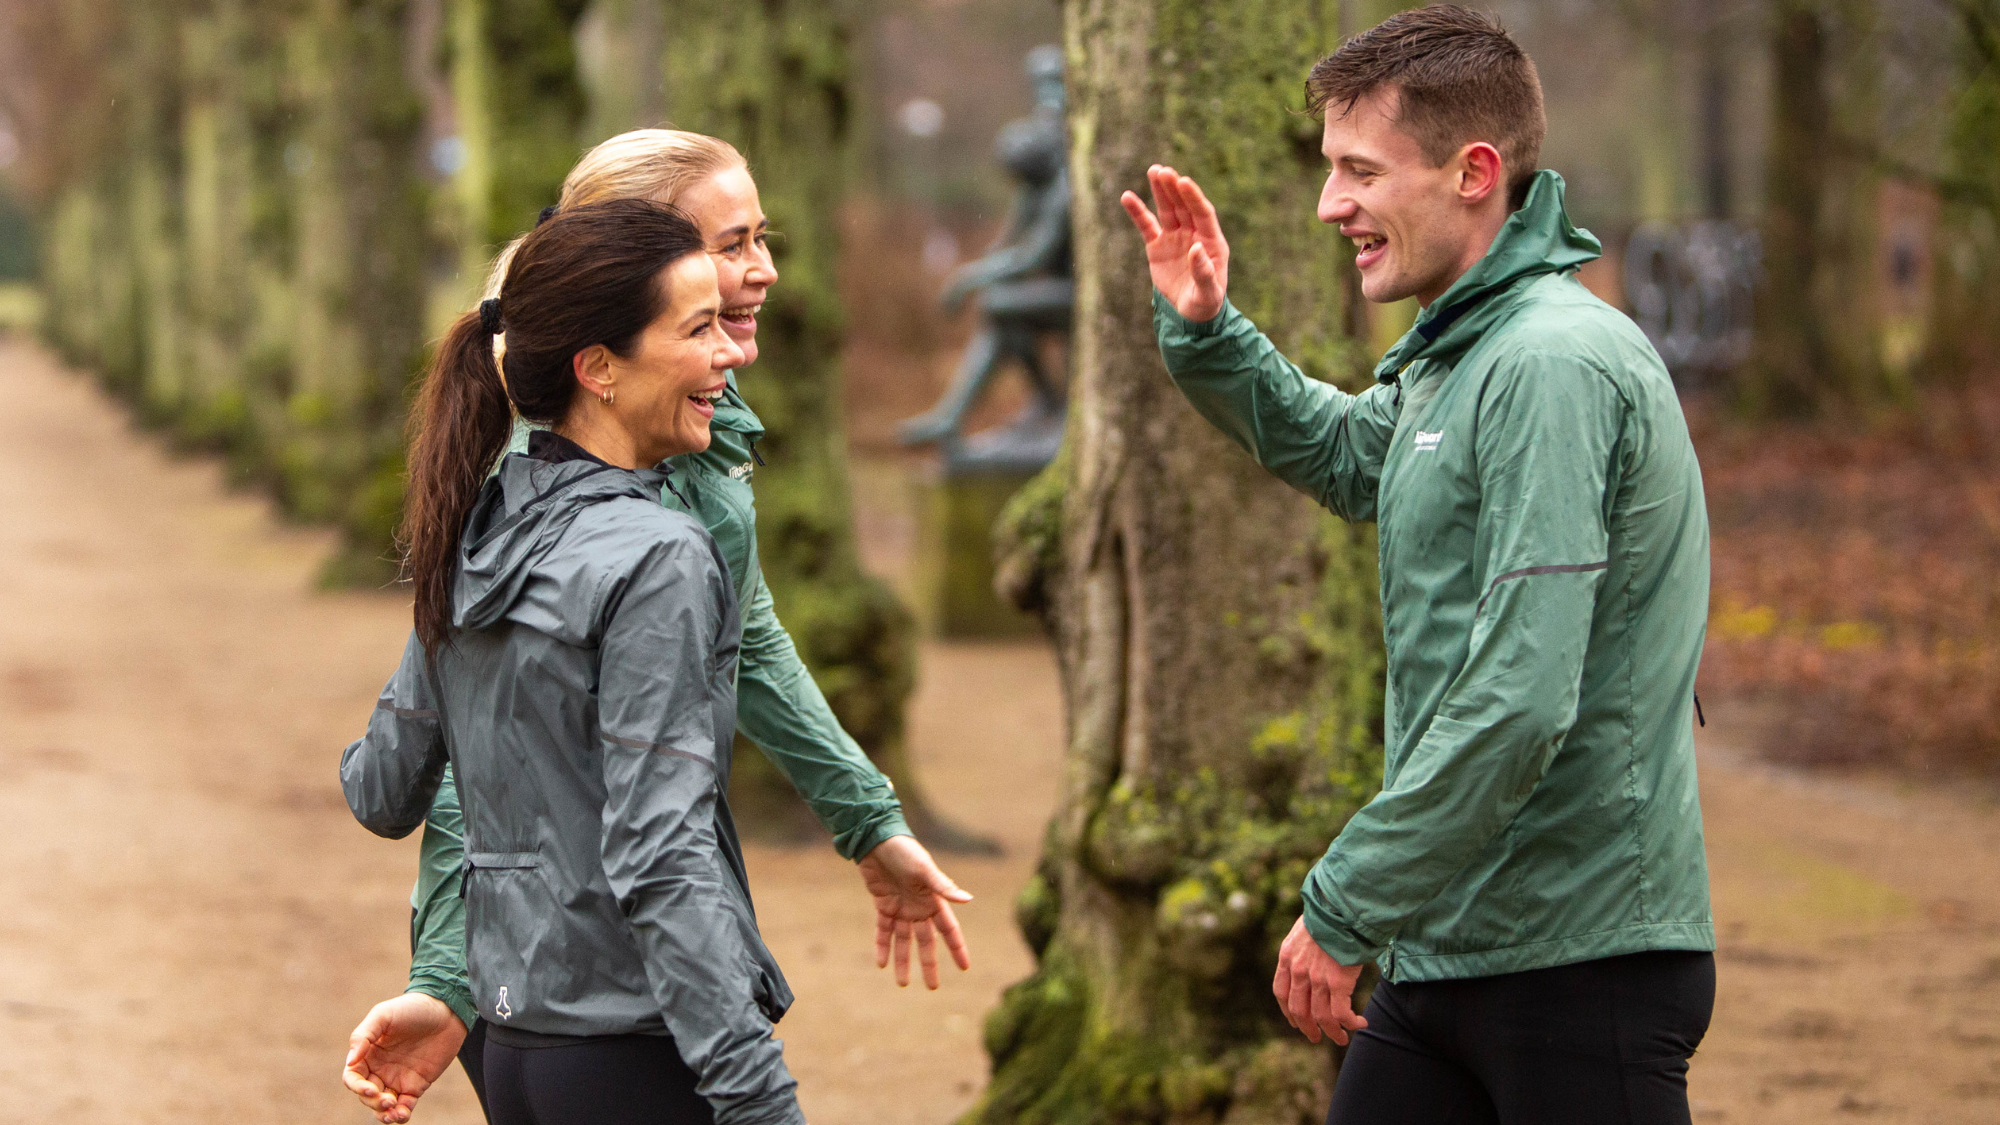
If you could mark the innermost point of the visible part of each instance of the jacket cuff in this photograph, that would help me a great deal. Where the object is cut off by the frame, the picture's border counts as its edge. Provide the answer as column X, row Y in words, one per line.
column 1166, row 318
column 1338, row 937
column 453, row 993
column 857, row 844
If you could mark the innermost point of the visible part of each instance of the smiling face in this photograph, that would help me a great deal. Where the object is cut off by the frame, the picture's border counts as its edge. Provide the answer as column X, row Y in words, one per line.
column 1416, row 227
column 667, row 389
column 732, row 223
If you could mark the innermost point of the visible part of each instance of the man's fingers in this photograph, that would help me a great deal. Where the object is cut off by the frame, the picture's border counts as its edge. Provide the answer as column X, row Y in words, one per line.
column 1203, row 268
column 1323, row 1013
column 1201, row 211
column 1167, row 197
column 1142, row 217
column 1298, row 1006
column 954, row 938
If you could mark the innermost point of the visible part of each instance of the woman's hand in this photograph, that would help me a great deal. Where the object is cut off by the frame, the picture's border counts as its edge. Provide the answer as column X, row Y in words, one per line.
column 912, row 900
column 399, row 1049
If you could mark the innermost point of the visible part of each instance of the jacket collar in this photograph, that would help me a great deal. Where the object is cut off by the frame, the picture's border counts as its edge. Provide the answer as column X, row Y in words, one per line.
column 732, row 413
column 1537, row 239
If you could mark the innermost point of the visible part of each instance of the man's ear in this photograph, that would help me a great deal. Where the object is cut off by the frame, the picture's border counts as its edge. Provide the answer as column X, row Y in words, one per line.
column 1480, row 171
column 592, row 366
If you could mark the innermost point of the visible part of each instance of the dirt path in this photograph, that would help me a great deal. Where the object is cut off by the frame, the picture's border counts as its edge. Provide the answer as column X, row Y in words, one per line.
column 193, row 922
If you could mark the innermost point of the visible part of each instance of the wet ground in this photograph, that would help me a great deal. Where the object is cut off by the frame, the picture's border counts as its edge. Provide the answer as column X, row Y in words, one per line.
column 193, row 922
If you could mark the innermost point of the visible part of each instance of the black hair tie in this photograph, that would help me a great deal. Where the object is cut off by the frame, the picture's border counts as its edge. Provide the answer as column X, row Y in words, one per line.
column 489, row 315
column 548, row 213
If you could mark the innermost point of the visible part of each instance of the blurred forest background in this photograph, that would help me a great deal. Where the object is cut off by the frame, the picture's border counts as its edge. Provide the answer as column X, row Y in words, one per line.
column 248, row 218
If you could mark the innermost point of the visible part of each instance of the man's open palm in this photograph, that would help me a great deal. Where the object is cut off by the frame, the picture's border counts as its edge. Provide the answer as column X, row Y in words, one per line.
column 1185, row 250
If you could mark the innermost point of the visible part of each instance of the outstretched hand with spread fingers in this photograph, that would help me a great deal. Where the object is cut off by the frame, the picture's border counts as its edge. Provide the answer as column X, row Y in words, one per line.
column 1315, row 991
column 912, row 907
column 401, row 1046
column 1185, row 250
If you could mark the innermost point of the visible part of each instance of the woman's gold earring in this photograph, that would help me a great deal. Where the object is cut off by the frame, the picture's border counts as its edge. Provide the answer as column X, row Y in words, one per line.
column 608, row 396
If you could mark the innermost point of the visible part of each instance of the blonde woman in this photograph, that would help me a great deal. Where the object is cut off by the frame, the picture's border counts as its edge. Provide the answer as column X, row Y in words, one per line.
column 406, row 1042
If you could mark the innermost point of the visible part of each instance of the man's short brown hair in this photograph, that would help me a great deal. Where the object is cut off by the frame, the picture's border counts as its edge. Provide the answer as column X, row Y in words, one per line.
column 1462, row 79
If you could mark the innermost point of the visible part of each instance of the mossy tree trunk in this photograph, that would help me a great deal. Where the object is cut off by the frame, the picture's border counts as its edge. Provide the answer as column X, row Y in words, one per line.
column 520, row 106
column 1818, row 327
column 358, row 213
column 1963, row 336
column 1219, row 636
column 776, row 80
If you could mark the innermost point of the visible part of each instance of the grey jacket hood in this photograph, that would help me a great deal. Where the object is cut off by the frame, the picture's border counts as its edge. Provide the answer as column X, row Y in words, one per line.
column 524, row 509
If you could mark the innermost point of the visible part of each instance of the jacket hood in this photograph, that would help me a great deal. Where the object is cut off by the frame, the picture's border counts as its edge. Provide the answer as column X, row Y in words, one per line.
column 524, row 508
column 1537, row 239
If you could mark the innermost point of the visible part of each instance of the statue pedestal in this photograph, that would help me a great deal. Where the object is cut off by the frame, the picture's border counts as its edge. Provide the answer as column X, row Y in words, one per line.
column 956, row 513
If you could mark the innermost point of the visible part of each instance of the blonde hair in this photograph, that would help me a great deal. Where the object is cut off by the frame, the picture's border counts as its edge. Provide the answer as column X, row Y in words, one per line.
column 656, row 164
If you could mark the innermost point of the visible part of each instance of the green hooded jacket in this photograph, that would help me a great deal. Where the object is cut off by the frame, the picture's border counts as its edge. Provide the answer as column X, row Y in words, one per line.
column 778, row 707
column 1544, row 569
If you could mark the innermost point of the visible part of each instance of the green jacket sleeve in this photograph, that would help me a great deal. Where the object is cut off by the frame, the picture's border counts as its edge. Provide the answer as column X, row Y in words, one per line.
column 781, row 709
column 1549, row 428
column 1313, row 436
column 437, row 918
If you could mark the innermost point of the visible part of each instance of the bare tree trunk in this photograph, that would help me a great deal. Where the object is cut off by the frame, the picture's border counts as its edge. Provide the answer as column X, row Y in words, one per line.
column 1219, row 636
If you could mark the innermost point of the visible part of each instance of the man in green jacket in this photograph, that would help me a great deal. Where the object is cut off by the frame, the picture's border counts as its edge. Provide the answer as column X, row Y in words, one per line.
column 1531, row 879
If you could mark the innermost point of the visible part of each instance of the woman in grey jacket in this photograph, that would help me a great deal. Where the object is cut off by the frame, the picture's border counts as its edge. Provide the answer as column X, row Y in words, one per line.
column 574, row 661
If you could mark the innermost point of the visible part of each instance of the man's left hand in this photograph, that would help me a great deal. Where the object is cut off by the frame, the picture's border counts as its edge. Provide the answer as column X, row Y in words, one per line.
column 1315, row 992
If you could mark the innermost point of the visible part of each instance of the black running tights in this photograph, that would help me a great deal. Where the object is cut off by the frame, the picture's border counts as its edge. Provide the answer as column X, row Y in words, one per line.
column 618, row 1080
column 1596, row 1043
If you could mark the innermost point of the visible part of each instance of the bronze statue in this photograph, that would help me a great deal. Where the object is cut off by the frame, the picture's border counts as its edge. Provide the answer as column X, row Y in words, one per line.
column 1026, row 292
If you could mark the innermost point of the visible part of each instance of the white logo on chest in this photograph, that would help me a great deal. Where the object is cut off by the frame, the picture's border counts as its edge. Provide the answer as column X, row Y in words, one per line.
column 741, row 472
column 1428, row 442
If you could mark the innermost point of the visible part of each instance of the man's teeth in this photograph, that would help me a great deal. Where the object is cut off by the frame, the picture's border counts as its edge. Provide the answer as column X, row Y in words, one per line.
column 1370, row 243
column 742, row 312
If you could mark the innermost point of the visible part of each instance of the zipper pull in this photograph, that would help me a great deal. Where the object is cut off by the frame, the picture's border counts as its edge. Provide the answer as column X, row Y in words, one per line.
column 1698, row 716
column 754, row 455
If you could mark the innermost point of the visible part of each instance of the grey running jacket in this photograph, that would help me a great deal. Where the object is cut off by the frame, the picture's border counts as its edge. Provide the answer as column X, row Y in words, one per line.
column 588, row 708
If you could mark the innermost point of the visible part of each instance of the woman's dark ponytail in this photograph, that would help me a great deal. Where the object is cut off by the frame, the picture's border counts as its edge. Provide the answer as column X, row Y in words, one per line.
column 588, row 275
column 459, row 428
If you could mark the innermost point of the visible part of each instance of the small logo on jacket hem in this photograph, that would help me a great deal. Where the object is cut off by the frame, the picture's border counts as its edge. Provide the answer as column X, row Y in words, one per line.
column 1427, row 442
column 500, row 1006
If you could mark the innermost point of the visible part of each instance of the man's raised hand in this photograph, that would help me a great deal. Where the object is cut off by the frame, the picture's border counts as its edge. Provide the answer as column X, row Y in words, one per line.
column 1185, row 250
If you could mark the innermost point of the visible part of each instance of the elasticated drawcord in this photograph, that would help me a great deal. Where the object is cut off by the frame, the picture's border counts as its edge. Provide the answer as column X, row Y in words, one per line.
column 1698, row 716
